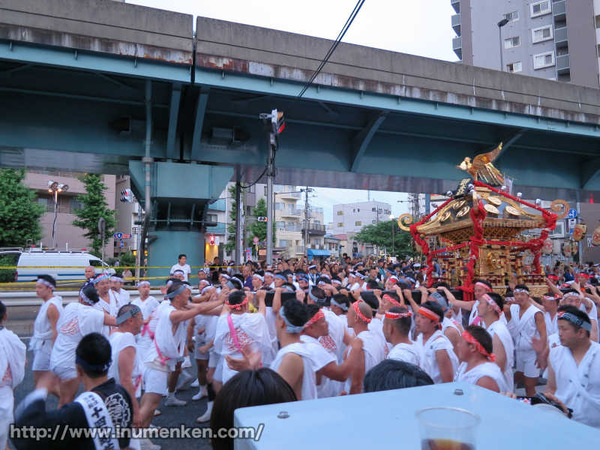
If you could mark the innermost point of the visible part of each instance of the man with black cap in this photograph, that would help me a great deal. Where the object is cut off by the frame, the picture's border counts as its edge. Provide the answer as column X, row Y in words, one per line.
column 574, row 367
column 44, row 327
column 76, row 320
column 103, row 406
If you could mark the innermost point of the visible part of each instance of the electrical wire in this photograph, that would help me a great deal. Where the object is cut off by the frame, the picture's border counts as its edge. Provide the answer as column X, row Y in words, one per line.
column 248, row 186
column 335, row 44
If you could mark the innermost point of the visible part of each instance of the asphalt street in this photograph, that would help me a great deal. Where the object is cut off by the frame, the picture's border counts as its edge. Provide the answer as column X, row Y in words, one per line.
column 170, row 417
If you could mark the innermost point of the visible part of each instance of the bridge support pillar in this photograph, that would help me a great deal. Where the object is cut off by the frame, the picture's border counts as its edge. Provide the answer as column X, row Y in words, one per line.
column 180, row 195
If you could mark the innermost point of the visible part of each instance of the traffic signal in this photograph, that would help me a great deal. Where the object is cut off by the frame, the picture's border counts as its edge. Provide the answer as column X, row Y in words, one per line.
column 277, row 121
column 127, row 196
column 262, row 219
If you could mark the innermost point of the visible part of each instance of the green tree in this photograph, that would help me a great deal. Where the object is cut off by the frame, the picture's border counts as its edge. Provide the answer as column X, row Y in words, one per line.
column 94, row 207
column 387, row 234
column 231, row 231
column 19, row 212
column 259, row 229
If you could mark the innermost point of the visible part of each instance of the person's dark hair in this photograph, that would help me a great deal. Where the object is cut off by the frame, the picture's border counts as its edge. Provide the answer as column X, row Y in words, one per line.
column 2, row 312
column 372, row 284
column 403, row 324
column 128, row 307
column 176, row 284
column 486, row 282
column 236, row 283
column 497, row 298
column 481, row 336
column 239, row 276
column 372, row 301
column 289, row 287
column 576, row 312
column 236, row 297
column 391, row 374
column 522, row 286
column 247, row 388
column 295, row 312
column 569, row 291
column 394, row 296
column 47, row 278
column 342, row 299
column 89, row 290
column 318, row 292
column 93, row 355
column 181, row 256
column 435, row 308
column 311, row 310
column 441, row 284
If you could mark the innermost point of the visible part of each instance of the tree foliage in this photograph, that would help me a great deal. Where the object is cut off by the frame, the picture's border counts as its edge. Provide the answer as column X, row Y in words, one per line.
column 231, row 231
column 381, row 235
column 94, row 207
column 259, row 229
column 19, row 212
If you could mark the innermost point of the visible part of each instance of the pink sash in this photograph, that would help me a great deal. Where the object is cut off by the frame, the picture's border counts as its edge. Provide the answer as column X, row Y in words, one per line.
column 233, row 334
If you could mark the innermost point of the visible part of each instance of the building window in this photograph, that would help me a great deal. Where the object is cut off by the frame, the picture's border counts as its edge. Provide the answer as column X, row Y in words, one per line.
column 387, row 211
column 76, row 205
column 373, row 221
column 514, row 67
column 358, row 223
column 279, row 206
column 543, row 60
column 266, row 191
column 512, row 16
column 340, row 213
column 512, row 42
column 598, row 21
column 542, row 34
column 358, row 210
column 374, row 209
column 210, row 217
column 340, row 225
column 46, row 203
column 540, row 8
column 284, row 242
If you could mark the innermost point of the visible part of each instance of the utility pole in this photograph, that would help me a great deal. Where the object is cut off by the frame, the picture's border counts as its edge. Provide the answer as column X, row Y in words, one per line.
column 239, row 232
column 306, row 220
column 277, row 125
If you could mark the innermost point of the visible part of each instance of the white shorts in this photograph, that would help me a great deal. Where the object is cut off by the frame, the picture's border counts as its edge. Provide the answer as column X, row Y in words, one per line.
column 199, row 355
column 213, row 359
column 155, row 381
column 525, row 362
column 41, row 357
column 65, row 373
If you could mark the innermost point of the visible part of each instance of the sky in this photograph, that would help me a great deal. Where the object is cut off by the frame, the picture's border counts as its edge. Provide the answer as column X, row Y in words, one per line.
column 419, row 27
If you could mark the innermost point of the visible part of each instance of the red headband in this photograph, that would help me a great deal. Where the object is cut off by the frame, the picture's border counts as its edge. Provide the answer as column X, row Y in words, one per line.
column 390, row 299
column 583, row 275
column 429, row 314
column 471, row 340
column 395, row 315
column 314, row 319
column 483, row 285
column 239, row 305
column 360, row 315
column 492, row 303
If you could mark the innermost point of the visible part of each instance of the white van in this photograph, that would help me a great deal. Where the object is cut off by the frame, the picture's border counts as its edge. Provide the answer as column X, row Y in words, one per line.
column 62, row 266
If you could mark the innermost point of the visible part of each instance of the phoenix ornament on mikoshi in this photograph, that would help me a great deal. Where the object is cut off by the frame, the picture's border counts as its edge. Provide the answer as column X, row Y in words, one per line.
column 482, row 169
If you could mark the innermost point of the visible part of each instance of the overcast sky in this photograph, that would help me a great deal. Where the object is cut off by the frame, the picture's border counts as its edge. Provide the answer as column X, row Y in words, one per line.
column 419, row 27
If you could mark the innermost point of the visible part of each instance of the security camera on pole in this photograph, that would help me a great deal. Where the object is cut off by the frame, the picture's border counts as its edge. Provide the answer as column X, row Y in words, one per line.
column 277, row 123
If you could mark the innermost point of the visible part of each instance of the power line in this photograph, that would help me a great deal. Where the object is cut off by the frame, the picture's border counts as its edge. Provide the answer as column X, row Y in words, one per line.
column 335, row 44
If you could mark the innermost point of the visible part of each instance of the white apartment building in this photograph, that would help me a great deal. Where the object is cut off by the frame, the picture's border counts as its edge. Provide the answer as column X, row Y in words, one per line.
column 351, row 217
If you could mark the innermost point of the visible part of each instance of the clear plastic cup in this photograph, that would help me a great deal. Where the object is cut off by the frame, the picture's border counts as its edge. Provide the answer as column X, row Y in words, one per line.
column 446, row 428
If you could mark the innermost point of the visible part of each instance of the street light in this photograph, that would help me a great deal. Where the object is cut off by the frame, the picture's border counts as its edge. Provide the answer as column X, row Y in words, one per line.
column 54, row 188
column 500, row 25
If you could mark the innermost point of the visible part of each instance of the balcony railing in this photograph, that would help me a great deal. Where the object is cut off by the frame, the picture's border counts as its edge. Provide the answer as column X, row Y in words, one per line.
column 560, row 36
column 219, row 229
column 456, row 20
column 456, row 5
column 563, row 64
column 559, row 9
column 316, row 230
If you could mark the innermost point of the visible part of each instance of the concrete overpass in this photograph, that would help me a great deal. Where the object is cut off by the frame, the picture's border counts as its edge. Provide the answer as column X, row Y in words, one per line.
column 74, row 75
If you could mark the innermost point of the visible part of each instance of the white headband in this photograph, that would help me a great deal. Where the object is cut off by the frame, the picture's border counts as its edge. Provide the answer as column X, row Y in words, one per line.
column 45, row 283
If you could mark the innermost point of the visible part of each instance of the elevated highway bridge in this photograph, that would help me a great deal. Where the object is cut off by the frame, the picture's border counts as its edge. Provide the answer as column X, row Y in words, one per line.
column 82, row 82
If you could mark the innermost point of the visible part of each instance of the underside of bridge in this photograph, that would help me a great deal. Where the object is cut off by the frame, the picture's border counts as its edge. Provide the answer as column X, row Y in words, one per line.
column 394, row 123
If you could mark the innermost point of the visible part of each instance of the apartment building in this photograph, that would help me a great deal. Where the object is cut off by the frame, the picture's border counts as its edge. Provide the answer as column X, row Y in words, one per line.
column 552, row 39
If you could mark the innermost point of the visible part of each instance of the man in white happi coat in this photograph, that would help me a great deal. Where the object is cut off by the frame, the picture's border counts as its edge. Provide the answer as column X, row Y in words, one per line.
column 148, row 305
column 119, row 295
column 574, row 367
column 76, row 320
column 127, row 367
column 324, row 360
column 475, row 352
column 526, row 323
column 490, row 310
column 439, row 360
column 166, row 355
column 44, row 327
column 12, row 371
column 107, row 302
column 372, row 351
column 396, row 328
column 578, row 300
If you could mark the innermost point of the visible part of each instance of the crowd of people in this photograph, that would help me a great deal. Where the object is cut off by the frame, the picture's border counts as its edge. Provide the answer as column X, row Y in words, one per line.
column 294, row 331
